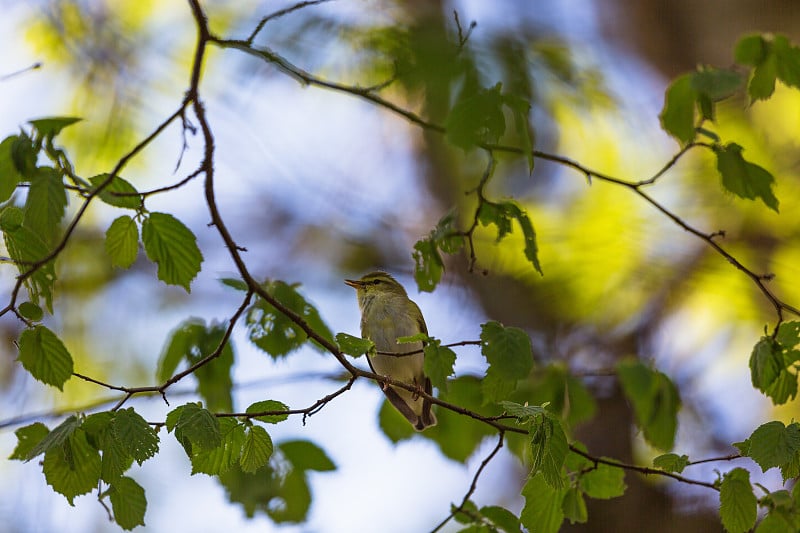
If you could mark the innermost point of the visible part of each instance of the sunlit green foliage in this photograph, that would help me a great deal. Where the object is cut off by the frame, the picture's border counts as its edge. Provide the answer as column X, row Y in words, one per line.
column 475, row 109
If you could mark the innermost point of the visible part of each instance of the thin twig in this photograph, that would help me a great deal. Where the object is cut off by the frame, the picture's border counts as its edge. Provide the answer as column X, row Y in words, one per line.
column 474, row 485
column 280, row 13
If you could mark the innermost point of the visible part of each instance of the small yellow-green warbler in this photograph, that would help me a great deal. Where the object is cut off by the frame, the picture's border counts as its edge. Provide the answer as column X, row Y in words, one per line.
column 386, row 314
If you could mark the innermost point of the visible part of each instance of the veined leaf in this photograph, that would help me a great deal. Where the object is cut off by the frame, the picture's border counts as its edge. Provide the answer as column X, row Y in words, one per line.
column 119, row 193
column 543, row 510
column 9, row 175
column 52, row 126
column 655, row 402
column 27, row 438
column 43, row 354
column 738, row 504
column 744, row 179
column 128, row 503
column 268, row 405
column 122, row 241
column 508, row 352
column 173, row 247
column 272, row 331
column 677, row 116
column 354, row 346
column 73, row 468
column 257, row 449
column 438, row 365
column 45, row 204
column 223, row 457
column 135, row 434
column 428, row 265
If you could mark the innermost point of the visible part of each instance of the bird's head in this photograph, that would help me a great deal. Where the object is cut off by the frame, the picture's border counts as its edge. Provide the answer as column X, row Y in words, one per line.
column 376, row 284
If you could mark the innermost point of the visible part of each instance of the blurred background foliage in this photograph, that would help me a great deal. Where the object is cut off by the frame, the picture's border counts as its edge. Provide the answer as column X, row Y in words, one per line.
column 315, row 197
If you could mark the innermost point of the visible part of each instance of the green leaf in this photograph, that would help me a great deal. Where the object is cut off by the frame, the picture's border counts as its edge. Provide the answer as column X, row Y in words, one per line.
column 197, row 426
column 9, row 175
column 457, row 436
column 218, row 460
column 574, row 506
column 788, row 334
column 501, row 517
column 273, row 332
column 73, row 468
column 566, row 395
column 55, row 438
column 43, row 354
column 762, row 79
column 738, row 505
column 778, row 522
column 122, row 241
column 525, row 414
column 428, row 265
column 671, row 462
column 520, row 109
column 438, row 365
column 744, row 179
column 305, row 455
column 716, row 84
column 257, row 449
column 128, row 503
column 117, row 193
column 502, row 215
column 531, row 248
column 235, row 283
column 193, row 341
column 45, row 204
column 766, row 363
column 677, row 117
column 604, row 482
column 655, row 402
column 549, row 448
column 477, row 118
column 787, row 61
column 354, row 346
column 27, row 438
column 26, row 247
column 52, row 126
column 509, row 354
column 173, row 247
column 543, row 510
column 31, row 311
column 446, row 236
column 11, row 218
column 773, row 444
column 25, row 154
column 267, row 406
column 116, row 459
column 137, row 436
column 393, row 424
column 750, row 50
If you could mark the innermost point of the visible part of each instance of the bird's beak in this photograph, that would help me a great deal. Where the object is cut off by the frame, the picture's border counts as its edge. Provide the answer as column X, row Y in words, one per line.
column 353, row 283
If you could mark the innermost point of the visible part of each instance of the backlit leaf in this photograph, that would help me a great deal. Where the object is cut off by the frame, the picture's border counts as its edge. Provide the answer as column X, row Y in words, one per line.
column 43, row 354
column 173, row 247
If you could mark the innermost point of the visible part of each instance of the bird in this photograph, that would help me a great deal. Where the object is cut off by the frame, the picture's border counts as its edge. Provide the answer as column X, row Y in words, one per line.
column 386, row 314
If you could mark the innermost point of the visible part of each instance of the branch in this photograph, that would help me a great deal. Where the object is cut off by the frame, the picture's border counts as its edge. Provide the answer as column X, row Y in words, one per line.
column 641, row 469
column 280, row 13
column 309, row 79
column 474, row 485
column 161, row 389
column 36, row 265
column 309, row 411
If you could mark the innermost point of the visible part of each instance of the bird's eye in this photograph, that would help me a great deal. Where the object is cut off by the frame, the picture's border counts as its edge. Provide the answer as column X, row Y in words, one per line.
column 376, row 282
